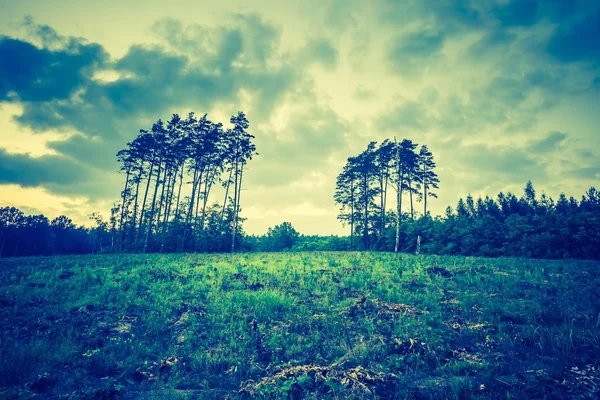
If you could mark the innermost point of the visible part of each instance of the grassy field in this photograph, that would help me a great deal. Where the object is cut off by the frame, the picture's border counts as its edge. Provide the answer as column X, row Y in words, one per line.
column 304, row 325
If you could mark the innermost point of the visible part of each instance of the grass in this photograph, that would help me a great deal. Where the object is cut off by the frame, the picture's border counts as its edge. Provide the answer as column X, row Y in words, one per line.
column 298, row 325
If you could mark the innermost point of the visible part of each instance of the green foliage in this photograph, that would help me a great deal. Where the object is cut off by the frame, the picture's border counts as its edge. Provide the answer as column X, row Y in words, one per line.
column 281, row 237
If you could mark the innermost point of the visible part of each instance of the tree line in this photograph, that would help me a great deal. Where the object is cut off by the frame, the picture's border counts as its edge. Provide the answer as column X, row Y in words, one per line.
column 171, row 170
column 362, row 187
column 525, row 226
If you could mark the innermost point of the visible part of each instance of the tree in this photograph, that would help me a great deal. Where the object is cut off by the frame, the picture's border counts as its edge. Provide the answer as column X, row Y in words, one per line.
column 356, row 190
column 281, row 237
column 11, row 219
column 158, row 133
column 404, row 171
column 428, row 178
column 383, row 161
column 242, row 150
column 345, row 195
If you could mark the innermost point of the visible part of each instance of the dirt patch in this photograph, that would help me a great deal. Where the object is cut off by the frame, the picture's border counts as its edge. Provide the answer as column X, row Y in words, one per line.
column 443, row 272
column 381, row 309
column 459, row 324
column 582, row 383
column 66, row 275
column 240, row 281
column 575, row 382
column 180, row 323
column 155, row 370
column 299, row 381
column 408, row 347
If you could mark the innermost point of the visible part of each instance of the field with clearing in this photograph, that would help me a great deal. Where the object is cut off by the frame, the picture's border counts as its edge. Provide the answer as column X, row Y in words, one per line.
column 298, row 325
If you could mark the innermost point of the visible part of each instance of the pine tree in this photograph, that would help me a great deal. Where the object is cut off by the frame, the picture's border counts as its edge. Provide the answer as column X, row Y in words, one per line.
column 428, row 177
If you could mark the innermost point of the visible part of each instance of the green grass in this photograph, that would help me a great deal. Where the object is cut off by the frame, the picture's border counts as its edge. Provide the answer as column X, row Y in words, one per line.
column 302, row 325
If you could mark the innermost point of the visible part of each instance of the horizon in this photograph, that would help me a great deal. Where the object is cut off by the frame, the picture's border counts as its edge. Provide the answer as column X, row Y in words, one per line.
column 502, row 93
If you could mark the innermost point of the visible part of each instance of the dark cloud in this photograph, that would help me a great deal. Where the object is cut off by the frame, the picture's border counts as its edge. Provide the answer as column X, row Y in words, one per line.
column 410, row 115
column 35, row 74
column 509, row 164
column 586, row 173
column 321, row 51
column 339, row 15
column 516, row 13
column 577, row 36
column 548, row 144
column 50, row 169
column 413, row 52
column 247, row 39
column 578, row 41
column 153, row 80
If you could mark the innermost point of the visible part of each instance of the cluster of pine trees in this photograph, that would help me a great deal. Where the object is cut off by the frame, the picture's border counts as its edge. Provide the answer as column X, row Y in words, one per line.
column 511, row 226
column 186, row 155
column 362, row 187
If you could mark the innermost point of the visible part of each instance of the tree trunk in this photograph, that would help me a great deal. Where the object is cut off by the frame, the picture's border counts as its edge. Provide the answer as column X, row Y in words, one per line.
column 149, row 232
column 143, row 209
column 123, row 209
column 135, row 204
column 179, row 191
column 172, row 180
column 207, row 186
column 198, row 193
column 366, row 217
column 235, row 203
column 351, row 214
column 221, row 238
column 382, row 202
column 410, row 193
column 424, row 192
column 425, row 200
column 237, row 207
column 385, row 198
column 398, row 200
column 162, row 198
column 226, row 194
column 197, row 210
column 188, row 216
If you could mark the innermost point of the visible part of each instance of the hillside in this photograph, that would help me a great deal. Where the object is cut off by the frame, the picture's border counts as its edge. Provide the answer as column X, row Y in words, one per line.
column 299, row 325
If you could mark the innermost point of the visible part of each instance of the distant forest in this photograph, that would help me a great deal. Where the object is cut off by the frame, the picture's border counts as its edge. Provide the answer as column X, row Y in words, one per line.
column 170, row 170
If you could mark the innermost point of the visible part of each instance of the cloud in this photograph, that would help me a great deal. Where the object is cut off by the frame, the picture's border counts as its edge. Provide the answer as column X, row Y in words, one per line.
column 321, row 51
column 363, row 94
column 197, row 68
column 311, row 135
column 31, row 74
column 150, row 81
column 48, row 169
column 413, row 52
column 549, row 143
column 409, row 114
column 244, row 38
column 516, row 13
column 586, row 173
column 578, row 41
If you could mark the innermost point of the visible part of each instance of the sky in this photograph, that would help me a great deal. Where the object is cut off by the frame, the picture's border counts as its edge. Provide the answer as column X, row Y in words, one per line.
column 500, row 91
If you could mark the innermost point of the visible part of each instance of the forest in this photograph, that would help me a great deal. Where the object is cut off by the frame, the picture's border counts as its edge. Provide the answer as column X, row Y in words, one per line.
column 165, row 206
